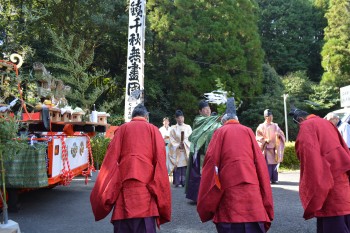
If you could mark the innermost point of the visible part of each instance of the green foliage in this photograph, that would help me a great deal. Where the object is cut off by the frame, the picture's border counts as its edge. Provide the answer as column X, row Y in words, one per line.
column 100, row 25
column 192, row 47
column 321, row 4
column 297, row 85
column 335, row 52
column 75, row 68
column 290, row 159
column 272, row 98
column 310, row 95
column 272, row 83
column 99, row 145
column 292, row 35
column 18, row 25
column 158, row 101
column 199, row 42
column 325, row 96
column 8, row 138
column 8, row 129
column 116, row 120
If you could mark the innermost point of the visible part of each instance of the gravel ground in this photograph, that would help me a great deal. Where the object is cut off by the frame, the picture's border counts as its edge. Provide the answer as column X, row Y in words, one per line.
column 67, row 209
column 288, row 210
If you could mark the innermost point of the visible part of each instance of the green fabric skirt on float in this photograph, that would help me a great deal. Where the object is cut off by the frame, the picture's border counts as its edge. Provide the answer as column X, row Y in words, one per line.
column 25, row 166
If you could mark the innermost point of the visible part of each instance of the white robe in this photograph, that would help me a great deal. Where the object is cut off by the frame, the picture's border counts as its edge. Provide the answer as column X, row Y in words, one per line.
column 165, row 131
column 179, row 157
column 344, row 130
column 165, row 134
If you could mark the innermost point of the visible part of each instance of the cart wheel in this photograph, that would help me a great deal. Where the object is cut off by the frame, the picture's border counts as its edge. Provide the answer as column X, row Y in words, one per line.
column 13, row 204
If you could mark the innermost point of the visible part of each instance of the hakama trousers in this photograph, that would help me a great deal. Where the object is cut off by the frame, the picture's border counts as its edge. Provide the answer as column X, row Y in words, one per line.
column 194, row 179
column 135, row 225
column 273, row 172
column 179, row 176
column 248, row 227
column 167, row 155
column 336, row 224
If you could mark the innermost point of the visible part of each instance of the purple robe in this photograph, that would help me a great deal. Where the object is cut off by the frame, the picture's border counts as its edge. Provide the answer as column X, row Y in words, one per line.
column 336, row 224
column 179, row 176
column 250, row 227
column 135, row 225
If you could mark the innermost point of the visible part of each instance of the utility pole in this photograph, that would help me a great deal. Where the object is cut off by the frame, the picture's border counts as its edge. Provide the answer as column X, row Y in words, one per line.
column 285, row 114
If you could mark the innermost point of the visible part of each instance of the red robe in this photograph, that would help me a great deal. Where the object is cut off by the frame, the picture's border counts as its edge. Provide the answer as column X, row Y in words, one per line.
column 324, row 161
column 239, row 191
column 133, row 177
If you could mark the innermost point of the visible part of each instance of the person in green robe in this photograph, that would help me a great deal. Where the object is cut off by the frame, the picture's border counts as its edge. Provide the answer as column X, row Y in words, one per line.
column 204, row 126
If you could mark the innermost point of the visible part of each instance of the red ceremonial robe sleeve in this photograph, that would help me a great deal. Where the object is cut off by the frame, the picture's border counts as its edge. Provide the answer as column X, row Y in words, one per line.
column 323, row 155
column 315, row 177
column 210, row 191
column 108, row 183
column 159, row 187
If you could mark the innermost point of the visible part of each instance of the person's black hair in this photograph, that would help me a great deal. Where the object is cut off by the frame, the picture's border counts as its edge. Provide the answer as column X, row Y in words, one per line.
column 178, row 113
column 202, row 104
column 298, row 115
column 267, row 113
column 139, row 110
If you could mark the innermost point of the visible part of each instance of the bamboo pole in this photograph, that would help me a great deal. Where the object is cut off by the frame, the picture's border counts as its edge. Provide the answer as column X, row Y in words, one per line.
column 3, row 197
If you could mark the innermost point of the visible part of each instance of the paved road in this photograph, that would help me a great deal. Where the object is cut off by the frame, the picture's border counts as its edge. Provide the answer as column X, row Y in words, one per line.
column 67, row 210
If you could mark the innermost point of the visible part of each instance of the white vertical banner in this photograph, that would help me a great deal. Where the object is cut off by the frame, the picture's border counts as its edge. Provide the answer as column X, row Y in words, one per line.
column 135, row 57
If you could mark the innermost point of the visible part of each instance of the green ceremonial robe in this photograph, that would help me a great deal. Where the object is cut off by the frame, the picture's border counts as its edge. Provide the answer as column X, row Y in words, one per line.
column 203, row 129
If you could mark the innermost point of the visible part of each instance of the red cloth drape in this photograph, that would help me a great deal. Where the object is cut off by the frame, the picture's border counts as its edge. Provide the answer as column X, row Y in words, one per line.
column 135, row 158
column 324, row 161
column 243, row 176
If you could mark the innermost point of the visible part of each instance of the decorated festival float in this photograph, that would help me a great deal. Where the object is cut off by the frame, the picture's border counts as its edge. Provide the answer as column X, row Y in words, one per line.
column 42, row 144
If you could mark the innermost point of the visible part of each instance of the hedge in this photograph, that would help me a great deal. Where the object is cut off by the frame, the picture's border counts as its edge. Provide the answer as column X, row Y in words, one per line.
column 290, row 160
column 99, row 146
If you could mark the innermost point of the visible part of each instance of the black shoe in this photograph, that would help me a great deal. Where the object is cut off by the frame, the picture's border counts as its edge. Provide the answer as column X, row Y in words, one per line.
column 274, row 182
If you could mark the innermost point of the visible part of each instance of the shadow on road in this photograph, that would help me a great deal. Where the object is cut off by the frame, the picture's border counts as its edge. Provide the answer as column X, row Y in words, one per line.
column 288, row 183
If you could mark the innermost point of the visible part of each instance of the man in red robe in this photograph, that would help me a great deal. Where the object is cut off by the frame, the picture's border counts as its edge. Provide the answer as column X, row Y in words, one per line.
column 324, row 167
column 235, row 187
column 133, row 178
